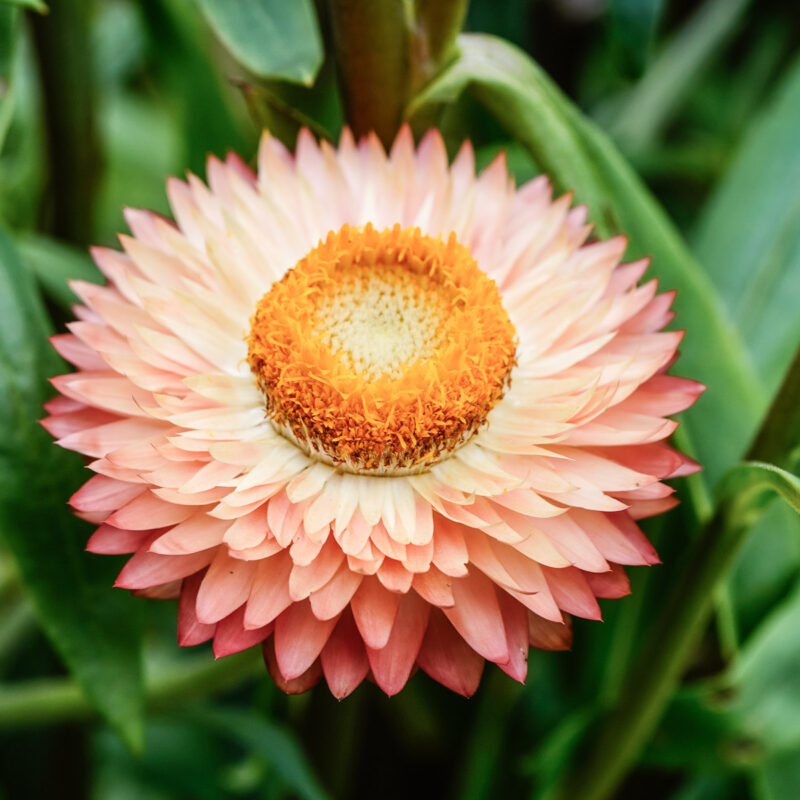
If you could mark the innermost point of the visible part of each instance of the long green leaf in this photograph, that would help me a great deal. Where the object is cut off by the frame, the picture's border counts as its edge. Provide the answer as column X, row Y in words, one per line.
column 749, row 486
column 633, row 29
column 749, row 235
column 638, row 121
column 273, row 742
column 273, row 39
column 578, row 156
column 54, row 263
column 9, row 38
column 34, row 5
column 92, row 626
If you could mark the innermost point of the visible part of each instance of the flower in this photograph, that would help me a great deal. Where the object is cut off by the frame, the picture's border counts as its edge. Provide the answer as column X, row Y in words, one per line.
column 372, row 411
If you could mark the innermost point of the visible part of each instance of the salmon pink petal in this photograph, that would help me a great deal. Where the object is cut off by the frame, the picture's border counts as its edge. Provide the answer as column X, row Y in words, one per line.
column 302, row 683
column 190, row 630
column 611, row 584
column 392, row 664
column 447, row 658
column 299, row 639
column 269, row 595
column 107, row 540
column 375, row 610
column 150, row 569
column 225, row 587
column 105, row 494
column 476, row 616
column 231, row 636
column 572, row 592
column 548, row 635
column 336, row 594
column 344, row 661
column 515, row 621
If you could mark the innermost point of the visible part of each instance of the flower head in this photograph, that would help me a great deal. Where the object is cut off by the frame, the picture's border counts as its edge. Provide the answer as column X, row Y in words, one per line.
column 372, row 411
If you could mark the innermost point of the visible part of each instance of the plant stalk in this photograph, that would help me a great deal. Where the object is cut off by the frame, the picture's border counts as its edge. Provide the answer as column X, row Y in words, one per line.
column 51, row 700
column 62, row 40
column 652, row 679
column 624, row 730
column 386, row 51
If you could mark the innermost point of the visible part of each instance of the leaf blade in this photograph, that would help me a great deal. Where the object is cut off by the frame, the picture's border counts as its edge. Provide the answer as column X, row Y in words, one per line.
column 579, row 156
column 95, row 632
column 271, row 38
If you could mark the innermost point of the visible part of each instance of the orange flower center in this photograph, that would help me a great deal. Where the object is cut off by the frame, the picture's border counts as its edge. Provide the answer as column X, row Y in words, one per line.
column 382, row 351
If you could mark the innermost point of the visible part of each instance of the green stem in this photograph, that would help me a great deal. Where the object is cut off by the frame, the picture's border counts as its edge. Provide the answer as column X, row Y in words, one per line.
column 651, row 681
column 64, row 54
column 779, row 437
column 625, row 729
column 370, row 42
column 435, row 28
column 50, row 700
column 386, row 51
column 18, row 622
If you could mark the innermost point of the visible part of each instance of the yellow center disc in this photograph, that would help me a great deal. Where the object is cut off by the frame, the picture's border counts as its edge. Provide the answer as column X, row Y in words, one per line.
column 382, row 351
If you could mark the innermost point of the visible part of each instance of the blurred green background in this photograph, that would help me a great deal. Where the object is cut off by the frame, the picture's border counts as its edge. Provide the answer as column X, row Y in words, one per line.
column 101, row 100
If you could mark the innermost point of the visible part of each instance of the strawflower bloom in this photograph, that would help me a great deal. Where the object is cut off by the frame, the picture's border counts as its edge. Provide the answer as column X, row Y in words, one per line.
column 371, row 411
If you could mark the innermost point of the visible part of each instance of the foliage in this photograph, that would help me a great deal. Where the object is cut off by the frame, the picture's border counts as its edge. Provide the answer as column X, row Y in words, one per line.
column 680, row 128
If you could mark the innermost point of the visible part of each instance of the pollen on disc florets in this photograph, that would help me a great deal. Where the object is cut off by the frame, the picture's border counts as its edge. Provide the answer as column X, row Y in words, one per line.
column 382, row 351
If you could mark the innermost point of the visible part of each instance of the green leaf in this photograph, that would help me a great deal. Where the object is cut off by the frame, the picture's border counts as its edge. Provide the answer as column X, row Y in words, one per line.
column 640, row 118
column 763, row 684
column 273, row 742
column 91, row 626
column 271, row 38
column 579, row 156
column 54, row 263
column 749, row 235
column 633, row 28
column 34, row 5
column 749, row 488
column 779, row 778
column 9, row 37
column 281, row 119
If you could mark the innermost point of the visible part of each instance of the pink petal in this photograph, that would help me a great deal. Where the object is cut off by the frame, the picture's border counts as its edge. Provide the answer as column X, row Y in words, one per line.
column 113, row 541
column 190, row 631
column 225, row 587
column 148, row 511
column 447, row 658
column 394, row 576
column 100, row 493
column 611, row 584
column 374, row 609
column 150, row 569
column 299, row 639
column 344, row 661
column 335, row 595
column 548, row 635
column 232, row 637
column 248, row 531
column 515, row 620
column 269, row 595
column 302, row 683
column 391, row 665
column 572, row 592
column 434, row 587
column 630, row 530
column 476, row 616
column 306, row 579
column 196, row 533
